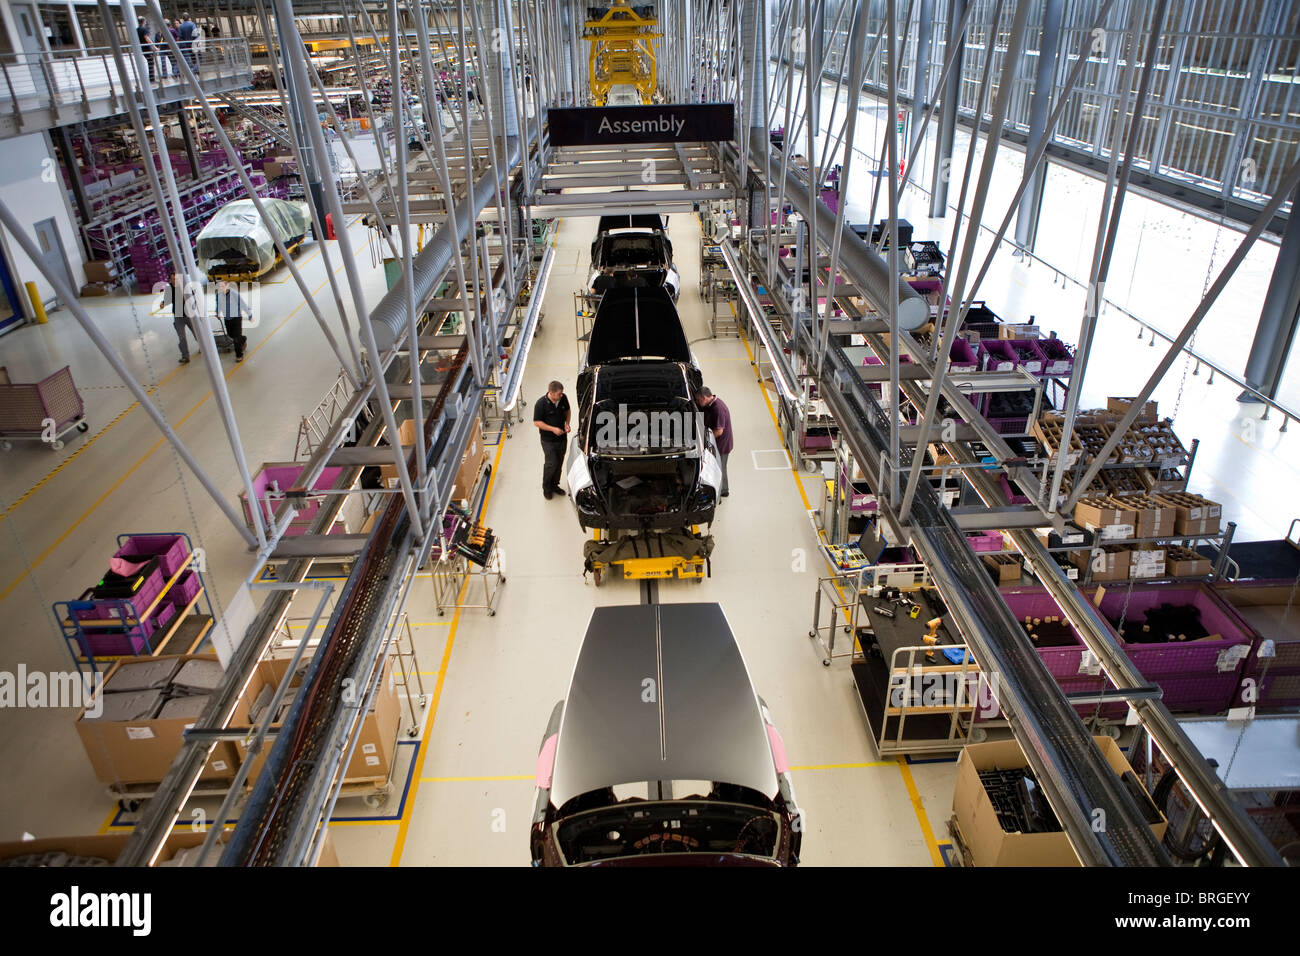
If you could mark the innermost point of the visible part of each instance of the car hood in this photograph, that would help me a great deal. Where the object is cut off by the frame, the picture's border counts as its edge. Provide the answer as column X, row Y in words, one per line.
column 637, row 323
column 660, row 692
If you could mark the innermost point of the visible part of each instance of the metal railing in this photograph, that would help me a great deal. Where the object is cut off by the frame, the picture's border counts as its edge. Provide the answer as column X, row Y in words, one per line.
column 35, row 82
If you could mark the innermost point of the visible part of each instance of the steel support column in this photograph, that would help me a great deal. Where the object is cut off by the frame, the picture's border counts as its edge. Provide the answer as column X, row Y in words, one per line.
column 948, row 117
column 1279, row 317
column 302, row 106
column 1048, row 46
column 921, row 68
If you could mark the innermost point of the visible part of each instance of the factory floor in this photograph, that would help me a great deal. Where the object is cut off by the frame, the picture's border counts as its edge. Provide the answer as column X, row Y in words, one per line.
column 464, row 783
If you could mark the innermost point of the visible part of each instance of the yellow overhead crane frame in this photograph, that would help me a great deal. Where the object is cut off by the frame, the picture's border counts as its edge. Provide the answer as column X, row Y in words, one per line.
column 622, row 52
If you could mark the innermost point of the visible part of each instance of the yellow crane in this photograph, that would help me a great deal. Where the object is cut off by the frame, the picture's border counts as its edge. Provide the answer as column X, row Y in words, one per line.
column 622, row 51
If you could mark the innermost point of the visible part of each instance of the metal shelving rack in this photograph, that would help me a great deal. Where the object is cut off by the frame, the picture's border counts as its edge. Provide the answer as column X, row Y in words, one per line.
column 188, row 630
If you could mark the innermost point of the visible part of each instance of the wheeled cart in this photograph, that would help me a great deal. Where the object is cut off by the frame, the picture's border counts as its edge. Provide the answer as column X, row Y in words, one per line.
column 44, row 411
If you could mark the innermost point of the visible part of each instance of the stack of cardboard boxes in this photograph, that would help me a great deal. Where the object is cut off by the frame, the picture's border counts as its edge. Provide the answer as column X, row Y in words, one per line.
column 1116, row 519
column 101, row 277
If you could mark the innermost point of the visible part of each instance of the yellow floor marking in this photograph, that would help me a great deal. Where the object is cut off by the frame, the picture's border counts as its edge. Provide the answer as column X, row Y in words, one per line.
column 917, row 806
column 400, row 845
column 936, row 855
column 145, row 457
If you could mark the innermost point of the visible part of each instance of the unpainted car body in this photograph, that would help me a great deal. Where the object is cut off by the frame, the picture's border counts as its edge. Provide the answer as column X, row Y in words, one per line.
column 680, row 768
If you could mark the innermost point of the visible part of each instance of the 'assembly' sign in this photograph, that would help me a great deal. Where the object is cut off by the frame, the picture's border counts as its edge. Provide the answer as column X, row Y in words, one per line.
column 666, row 123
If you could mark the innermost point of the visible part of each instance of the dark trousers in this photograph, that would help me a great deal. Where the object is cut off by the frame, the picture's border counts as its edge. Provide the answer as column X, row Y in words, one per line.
column 235, row 329
column 554, row 452
column 180, row 323
column 725, row 489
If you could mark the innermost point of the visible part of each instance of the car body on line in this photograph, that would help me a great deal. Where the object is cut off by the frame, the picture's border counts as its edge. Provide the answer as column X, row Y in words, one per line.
column 633, row 250
column 663, row 753
column 641, row 458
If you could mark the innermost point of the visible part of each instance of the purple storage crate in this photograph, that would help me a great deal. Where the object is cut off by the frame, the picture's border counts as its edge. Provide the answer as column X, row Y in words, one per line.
column 985, row 540
column 184, row 590
column 1201, row 676
column 962, row 356
column 103, row 609
column 1061, row 662
column 1009, row 492
column 1059, row 356
column 171, row 550
column 285, row 476
column 997, row 355
column 1028, row 355
column 116, row 644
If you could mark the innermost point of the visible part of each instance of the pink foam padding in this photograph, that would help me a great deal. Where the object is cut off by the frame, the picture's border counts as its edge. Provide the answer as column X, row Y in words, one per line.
column 124, row 567
column 778, row 749
column 546, row 762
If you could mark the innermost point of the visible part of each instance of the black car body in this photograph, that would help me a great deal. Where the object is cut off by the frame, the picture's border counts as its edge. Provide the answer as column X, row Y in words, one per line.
column 662, row 753
column 665, row 475
column 633, row 250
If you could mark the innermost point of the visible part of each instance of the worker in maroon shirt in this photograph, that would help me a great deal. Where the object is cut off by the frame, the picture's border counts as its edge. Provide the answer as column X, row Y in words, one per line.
column 717, row 419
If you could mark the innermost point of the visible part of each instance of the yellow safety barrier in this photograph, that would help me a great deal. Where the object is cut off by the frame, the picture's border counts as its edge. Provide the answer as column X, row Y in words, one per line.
column 38, row 307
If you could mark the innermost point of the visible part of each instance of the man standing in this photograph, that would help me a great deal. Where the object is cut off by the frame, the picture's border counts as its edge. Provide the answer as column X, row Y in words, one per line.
column 185, row 33
column 717, row 419
column 183, row 308
column 146, row 46
column 231, row 309
column 551, row 416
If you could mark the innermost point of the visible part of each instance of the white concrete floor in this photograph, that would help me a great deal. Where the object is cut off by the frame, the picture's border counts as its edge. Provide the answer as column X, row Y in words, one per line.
column 492, row 681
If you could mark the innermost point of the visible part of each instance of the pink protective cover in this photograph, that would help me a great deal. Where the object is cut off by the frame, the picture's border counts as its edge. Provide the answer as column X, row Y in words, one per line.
column 778, row 749
column 546, row 762
column 124, row 566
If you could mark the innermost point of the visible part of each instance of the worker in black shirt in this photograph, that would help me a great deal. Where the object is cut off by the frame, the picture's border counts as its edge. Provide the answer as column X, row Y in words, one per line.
column 146, row 46
column 551, row 416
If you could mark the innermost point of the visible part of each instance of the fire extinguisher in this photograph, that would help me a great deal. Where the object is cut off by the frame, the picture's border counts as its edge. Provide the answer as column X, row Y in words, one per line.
column 329, row 226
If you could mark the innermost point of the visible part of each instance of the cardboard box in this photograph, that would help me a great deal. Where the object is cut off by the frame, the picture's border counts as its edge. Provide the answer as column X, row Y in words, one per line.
column 1120, row 406
column 1147, row 563
column 142, row 751
column 1186, row 563
column 1101, row 511
column 406, row 433
column 1194, row 515
column 100, row 270
column 1112, row 562
column 1007, row 567
column 1155, row 518
column 476, row 456
column 94, row 289
column 377, row 736
column 272, row 169
column 986, row 842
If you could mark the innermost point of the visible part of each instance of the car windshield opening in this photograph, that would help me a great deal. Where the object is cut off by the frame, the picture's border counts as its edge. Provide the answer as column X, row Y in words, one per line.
column 637, row 828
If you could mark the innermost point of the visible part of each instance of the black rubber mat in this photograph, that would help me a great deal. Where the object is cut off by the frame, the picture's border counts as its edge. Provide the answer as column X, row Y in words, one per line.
column 1263, row 560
